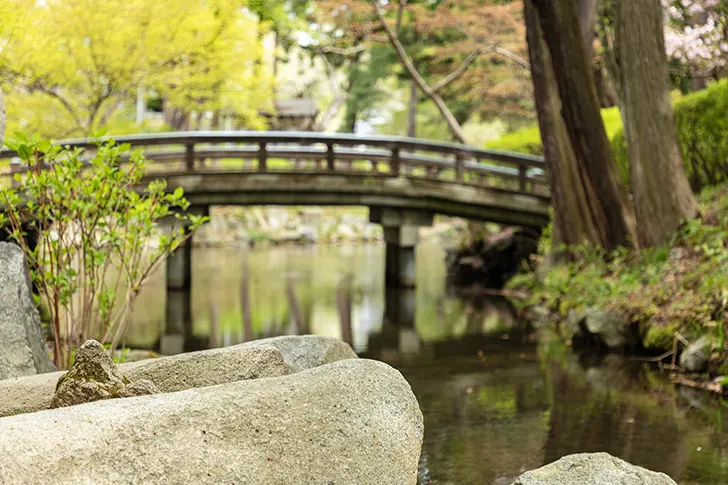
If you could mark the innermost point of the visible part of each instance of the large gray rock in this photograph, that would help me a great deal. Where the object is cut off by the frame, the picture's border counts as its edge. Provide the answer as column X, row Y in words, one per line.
column 307, row 351
column 209, row 367
column 23, row 348
column 592, row 469
column 610, row 329
column 93, row 377
column 354, row 421
column 696, row 357
column 253, row 360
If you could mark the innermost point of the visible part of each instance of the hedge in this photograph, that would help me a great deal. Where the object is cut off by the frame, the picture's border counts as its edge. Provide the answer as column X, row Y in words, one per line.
column 528, row 140
column 702, row 127
column 701, row 119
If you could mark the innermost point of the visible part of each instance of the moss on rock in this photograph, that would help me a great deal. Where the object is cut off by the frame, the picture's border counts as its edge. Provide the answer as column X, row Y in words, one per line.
column 94, row 377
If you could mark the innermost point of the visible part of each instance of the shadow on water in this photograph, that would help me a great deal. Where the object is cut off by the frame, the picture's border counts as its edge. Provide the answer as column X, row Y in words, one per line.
column 495, row 402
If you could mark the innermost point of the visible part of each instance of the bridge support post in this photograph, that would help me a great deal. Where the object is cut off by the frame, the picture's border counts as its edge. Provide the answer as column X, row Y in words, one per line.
column 178, row 308
column 401, row 229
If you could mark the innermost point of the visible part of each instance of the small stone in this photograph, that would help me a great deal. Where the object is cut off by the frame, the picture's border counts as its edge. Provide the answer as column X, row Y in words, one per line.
column 93, row 377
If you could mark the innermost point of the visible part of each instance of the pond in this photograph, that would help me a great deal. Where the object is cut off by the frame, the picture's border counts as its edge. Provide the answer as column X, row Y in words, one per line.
column 495, row 402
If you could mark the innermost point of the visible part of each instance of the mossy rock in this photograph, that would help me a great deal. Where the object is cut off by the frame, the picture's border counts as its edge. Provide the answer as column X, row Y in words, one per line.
column 660, row 337
column 93, row 377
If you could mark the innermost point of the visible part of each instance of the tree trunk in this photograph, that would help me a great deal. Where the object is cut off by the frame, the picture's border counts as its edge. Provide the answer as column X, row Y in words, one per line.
column 412, row 111
column 587, row 24
column 352, row 114
column 2, row 118
column 662, row 194
column 608, row 200
column 573, row 221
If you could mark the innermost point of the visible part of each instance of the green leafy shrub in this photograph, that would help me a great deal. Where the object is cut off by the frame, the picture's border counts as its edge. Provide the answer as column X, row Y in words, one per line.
column 94, row 225
column 528, row 140
column 701, row 119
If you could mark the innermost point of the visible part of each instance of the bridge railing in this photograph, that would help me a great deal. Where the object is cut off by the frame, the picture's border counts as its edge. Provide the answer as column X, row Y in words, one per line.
column 304, row 152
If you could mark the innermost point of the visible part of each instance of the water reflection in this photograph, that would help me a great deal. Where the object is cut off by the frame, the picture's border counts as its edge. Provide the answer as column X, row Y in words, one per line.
column 495, row 403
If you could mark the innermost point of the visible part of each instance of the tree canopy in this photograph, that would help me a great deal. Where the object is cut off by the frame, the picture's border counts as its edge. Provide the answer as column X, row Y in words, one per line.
column 65, row 75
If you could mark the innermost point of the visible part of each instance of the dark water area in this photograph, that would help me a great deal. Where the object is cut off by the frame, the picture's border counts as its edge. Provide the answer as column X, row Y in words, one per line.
column 496, row 403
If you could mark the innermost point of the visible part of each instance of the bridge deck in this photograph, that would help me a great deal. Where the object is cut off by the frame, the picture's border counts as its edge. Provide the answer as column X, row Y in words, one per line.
column 290, row 168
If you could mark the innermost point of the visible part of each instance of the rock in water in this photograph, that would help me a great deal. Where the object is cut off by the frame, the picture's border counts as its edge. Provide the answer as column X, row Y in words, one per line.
column 592, row 469
column 23, row 348
column 94, row 377
column 597, row 328
column 695, row 358
column 351, row 422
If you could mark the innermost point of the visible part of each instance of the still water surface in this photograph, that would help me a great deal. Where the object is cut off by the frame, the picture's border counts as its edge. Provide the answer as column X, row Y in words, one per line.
column 495, row 403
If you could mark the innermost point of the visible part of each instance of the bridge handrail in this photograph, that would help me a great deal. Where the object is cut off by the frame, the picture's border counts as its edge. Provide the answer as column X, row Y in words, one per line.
column 402, row 151
column 304, row 138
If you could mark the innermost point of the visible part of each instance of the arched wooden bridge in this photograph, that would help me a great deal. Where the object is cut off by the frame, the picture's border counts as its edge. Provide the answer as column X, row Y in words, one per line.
column 404, row 181
column 292, row 168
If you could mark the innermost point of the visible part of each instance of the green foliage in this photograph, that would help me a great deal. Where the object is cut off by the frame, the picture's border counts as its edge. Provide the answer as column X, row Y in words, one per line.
column 68, row 66
column 94, row 225
column 679, row 286
column 702, row 131
column 528, row 140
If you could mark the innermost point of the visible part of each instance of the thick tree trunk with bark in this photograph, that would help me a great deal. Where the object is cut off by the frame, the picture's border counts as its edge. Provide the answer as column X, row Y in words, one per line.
column 607, row 198
column 587, row 24
column 573, row 220
column 662, row 194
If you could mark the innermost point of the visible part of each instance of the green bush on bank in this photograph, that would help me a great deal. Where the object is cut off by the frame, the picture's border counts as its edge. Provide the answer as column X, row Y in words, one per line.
column 679, row 286
column 701, row 119
column 528, row 140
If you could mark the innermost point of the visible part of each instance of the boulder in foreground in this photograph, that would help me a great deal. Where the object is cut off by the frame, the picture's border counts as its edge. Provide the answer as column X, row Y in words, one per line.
column 353, row 421
column 253, row 360
column 592, row 469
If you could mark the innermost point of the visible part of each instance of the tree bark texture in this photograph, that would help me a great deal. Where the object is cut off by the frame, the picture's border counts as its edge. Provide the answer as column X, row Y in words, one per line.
column 607, row 198
column 587, row 24
column 573, row 221
column 661, row 192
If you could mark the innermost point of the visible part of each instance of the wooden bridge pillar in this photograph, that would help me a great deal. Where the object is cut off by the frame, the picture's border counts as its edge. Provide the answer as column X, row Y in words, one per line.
column 401, row 229
column 178, row 308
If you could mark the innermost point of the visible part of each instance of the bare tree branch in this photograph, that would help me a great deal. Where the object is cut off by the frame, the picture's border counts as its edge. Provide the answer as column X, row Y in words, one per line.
column 454, row 125
column 457, row 72
column 512, row 56
column 400, row 13
column 351, row 51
